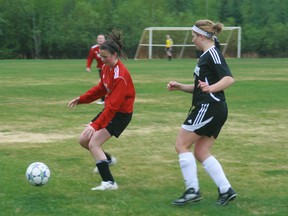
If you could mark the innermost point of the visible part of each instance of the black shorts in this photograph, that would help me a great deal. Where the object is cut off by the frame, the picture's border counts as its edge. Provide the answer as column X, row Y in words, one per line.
column 207, row 119
column 118, row 124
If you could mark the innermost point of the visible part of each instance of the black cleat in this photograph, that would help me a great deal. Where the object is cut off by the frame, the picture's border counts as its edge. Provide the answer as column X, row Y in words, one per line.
column 224, row 198
column 189, row 196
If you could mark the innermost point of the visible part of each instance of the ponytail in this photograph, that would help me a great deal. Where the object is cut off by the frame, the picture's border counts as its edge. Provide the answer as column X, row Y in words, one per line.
column 209, row 26
column 114, row 44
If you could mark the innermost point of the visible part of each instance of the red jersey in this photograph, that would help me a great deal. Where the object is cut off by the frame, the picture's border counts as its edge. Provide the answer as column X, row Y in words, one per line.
column 94, row 53
column 117, row 85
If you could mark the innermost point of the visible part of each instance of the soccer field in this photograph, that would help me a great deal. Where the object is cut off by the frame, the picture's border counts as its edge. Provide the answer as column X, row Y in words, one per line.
column 37, row 126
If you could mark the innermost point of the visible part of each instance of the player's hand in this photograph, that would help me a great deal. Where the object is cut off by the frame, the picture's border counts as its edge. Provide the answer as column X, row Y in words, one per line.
column 173, row 85
column 204, row 86
column 88, row 131
column 73, row 103
column 88, row 70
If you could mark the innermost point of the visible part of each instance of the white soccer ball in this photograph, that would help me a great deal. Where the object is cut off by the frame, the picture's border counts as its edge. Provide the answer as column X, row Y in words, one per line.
column 38, row 174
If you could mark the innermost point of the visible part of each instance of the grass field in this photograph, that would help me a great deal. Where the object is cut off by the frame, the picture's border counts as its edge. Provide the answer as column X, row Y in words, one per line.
column 37, row 126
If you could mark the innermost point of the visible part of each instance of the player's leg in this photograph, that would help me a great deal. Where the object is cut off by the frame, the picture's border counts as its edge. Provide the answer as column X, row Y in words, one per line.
column 84, row 142
column 214, row 169
column 170, row 54
column 97, row 140
column 111, row 161
column 184, row 141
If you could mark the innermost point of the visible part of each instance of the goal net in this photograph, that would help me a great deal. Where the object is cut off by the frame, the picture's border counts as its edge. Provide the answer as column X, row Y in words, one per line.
column 153, row 39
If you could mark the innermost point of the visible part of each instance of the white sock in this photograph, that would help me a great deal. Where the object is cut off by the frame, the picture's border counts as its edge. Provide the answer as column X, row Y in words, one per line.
column 214, row 169
column 189, row 170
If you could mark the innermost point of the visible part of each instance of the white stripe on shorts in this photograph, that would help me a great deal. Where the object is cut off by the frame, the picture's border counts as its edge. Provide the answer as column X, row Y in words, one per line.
column 201, row 113
column 196, row 126
column 198, row 120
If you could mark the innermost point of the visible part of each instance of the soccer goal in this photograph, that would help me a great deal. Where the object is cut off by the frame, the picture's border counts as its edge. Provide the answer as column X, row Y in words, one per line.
column 152, row 42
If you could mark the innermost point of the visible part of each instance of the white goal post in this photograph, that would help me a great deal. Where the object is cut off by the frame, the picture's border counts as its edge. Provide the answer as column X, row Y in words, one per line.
column 152, row 42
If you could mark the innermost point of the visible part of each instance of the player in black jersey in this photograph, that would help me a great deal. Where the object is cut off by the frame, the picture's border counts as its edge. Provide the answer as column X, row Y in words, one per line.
column 207, row 116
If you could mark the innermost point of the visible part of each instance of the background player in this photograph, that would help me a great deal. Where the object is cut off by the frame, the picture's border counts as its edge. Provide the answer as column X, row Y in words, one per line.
column 94, row 53
column 168, row 47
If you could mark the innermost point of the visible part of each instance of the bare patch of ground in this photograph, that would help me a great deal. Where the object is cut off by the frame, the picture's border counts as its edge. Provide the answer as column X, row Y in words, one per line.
column 145, row 100
column 262, row 79
column 22, row 137
column 256, row 130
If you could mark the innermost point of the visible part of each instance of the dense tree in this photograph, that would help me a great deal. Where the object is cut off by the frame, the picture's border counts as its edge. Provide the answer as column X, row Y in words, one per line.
column 67, row 28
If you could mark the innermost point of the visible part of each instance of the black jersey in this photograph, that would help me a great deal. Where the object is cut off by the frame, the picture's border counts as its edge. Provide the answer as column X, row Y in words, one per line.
column 210, row 68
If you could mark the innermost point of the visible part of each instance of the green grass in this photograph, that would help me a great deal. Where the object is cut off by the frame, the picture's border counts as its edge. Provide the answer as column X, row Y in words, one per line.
column 37, row 126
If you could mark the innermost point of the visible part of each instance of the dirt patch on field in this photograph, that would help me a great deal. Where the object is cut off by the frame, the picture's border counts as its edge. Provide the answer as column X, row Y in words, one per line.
column 146, row 100
column 22, row 137
column 254, row 130
column 262, row 79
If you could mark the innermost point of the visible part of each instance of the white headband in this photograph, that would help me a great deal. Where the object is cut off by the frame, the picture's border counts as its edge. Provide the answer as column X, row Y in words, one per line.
column 200, row 31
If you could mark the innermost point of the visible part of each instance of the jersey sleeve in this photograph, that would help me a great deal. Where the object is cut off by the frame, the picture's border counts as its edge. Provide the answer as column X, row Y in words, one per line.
column 222, row 68
column 90, row 58
column 93, row 94
column 117, row 98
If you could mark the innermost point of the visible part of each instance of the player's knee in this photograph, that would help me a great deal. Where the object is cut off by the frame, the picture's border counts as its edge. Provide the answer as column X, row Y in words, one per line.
column 197, row 156
column 84, row 142
column 180, row 148
column 92, row 146
column 176, row 149
column 201, row 155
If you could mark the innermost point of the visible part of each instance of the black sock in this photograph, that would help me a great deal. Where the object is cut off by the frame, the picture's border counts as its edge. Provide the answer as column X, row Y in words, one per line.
column 104, row 171
column 108, row 156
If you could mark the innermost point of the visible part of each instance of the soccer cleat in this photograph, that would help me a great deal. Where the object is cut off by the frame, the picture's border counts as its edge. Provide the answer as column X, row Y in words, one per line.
column 106, row 185
column 189, row 196
column 224, row 198
column 112, row 162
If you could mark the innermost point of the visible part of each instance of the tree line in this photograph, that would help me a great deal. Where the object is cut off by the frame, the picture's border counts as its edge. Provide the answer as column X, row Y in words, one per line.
column 67, row 28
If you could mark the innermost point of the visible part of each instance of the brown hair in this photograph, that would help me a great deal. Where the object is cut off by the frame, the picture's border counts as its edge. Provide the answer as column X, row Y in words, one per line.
column 209, row 26
column 114, row 44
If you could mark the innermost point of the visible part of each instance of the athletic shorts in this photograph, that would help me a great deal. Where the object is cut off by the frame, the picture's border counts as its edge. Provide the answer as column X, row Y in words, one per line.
column 118, row 124
column 207, row 119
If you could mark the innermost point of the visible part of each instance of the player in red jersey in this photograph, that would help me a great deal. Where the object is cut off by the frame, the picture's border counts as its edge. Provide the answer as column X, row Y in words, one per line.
column 116, row 83
column 94, row 53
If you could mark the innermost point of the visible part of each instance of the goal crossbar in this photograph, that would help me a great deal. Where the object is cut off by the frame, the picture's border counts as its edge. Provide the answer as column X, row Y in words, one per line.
column 150, row 44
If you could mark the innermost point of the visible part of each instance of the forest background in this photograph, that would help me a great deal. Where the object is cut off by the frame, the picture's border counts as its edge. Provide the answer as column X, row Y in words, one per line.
column 60, row 29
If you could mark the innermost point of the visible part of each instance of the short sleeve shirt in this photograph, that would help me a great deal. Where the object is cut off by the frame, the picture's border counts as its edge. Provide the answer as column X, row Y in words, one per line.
column 210, row 68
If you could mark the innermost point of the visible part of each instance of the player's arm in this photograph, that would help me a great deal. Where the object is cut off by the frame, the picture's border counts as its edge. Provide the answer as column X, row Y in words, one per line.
column 89, row 60
column 174, row 86
column 73, row 103
column 222, row 84
column 226, row 79
column 93, row 94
